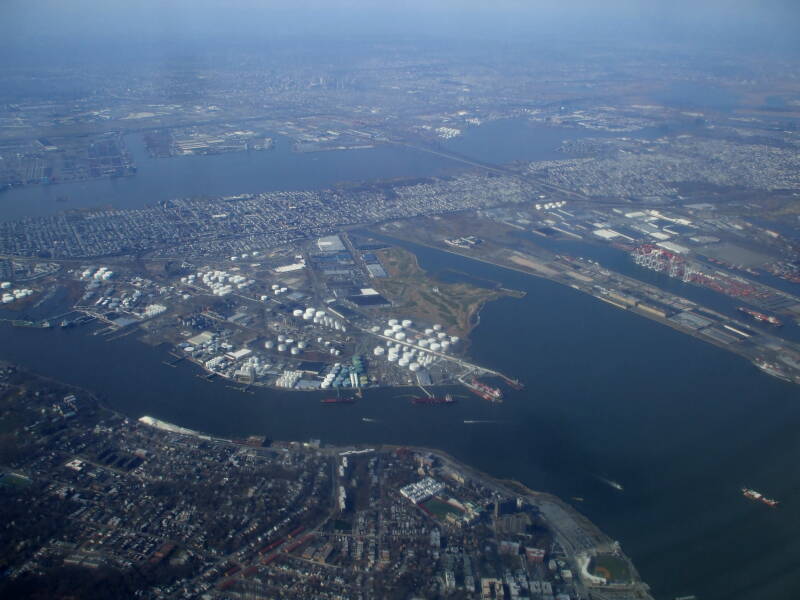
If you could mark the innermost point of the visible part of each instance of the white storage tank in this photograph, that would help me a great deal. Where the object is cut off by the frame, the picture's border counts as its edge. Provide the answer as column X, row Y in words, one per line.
column 379, row 351
column 281, row 347
column 403, row 362
column 400, row 335
column 387, row 332
column 454, row 339
column 429, row 331
column 436, row 346
column 414, row 366
column 297, row 312
column 406, row 323
column 295, row 351
column 397, row 328
column 281, row 338
column 423, row 343
column 392, row 322
column 441, row 335
column 269, row 344
column 445, row 346
column 437, row 327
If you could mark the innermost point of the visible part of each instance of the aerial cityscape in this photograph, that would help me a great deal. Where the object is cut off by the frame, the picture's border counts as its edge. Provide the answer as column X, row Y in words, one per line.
column 336, row 301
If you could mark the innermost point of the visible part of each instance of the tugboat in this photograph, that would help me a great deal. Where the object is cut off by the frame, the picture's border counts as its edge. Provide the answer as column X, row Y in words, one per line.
column 427, row 400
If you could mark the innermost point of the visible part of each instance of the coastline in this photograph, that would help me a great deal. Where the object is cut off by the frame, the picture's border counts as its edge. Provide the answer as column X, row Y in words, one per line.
column 630, row 309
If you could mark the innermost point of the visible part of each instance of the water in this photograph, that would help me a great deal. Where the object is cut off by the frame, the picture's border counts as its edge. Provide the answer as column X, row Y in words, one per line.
column 682, row 425
column 160, row 179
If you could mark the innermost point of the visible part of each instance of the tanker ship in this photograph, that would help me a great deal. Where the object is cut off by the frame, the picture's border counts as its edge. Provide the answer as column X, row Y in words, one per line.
column 486, row 392
column 758, row 496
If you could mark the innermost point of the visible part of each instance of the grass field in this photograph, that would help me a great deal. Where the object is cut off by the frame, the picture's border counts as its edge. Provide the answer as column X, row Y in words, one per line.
column 417, row 294
column 440, row 509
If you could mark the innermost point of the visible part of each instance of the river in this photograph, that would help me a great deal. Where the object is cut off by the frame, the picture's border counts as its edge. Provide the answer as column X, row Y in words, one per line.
column 159, row 179
column 682, row 425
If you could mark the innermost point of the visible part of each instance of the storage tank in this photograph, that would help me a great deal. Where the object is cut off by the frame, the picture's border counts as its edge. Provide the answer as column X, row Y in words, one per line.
column 403, row 362
column 437, row 327
column 414, row 366
column 400, row 335
column 301, row 345
column 295, row 350
column 392, row 322
column 379, row 351
column 429, row 331
column 423, row 343
column 397, row 327
column 436, row 346
column 281, row 347
column 445, row 346
column 406, row 323
column 388, row 332
column 269, row 344
column 281, row 338
column 454, row 339
column 297, row 312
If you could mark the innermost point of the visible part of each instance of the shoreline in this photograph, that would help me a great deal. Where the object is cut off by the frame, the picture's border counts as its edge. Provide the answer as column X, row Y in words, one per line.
column 630, row 309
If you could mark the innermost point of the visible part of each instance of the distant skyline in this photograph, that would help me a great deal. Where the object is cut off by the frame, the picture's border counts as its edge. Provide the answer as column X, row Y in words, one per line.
column 757, row 25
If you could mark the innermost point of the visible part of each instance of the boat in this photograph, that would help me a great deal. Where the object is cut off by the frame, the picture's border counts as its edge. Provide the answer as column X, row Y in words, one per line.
column 758, row 497
column 337, row 399
column 332, row 400
column 761, row 317
column 771, row 368
column 446, row 399
column 486, row 392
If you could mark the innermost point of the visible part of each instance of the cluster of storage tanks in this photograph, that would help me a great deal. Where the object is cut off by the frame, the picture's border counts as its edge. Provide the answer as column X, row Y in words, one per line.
column 244, row 256
column 413, row 349
column 286, row 344
column 101, row 274
column 277, row 290
column 550, row 205
column 10, row 295
column 220, row 282
column 318, row 317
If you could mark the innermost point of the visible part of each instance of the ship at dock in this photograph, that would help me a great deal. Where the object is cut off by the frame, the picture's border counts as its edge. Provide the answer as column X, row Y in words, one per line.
column 429, row 400
column 758, row 497
column 760, row 317
column 337, row 400
column 487, row 392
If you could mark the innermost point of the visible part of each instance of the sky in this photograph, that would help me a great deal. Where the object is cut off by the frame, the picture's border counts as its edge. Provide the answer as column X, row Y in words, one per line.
column 756, row 24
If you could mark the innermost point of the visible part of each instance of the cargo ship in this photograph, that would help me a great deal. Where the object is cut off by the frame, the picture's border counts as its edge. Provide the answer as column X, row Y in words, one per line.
column 425, row 400
column 758, row 496
column 486, row 392
column 761, row 317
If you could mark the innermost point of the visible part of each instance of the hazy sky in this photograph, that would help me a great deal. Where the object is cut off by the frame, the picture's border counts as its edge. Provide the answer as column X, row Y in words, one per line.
column 756, row 23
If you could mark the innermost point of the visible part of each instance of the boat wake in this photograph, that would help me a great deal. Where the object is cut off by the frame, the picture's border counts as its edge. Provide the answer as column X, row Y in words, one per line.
column 609, row 482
